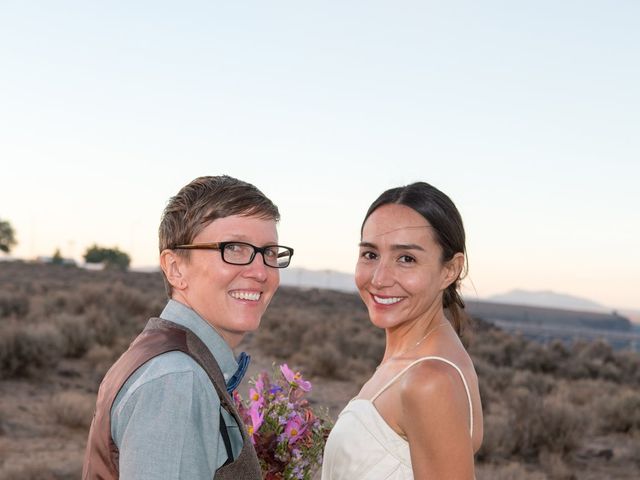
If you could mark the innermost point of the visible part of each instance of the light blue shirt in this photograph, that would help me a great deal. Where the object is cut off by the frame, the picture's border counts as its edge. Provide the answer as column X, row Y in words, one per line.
column 165, row 419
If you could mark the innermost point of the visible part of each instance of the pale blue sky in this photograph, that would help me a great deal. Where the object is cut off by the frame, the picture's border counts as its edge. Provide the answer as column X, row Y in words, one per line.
column 526, row 114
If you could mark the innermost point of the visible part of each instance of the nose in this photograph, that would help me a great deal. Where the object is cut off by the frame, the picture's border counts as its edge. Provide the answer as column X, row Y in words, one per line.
column 382, row 276
column 257, row 268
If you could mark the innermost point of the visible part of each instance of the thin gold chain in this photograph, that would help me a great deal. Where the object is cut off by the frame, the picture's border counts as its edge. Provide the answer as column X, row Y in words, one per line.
column 414, row 345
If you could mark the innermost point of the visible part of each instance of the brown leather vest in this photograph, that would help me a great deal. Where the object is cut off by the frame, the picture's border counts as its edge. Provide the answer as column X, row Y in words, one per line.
column 158, row 337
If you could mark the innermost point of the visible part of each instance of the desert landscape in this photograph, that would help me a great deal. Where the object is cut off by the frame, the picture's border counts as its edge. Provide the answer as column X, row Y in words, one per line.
column 552, row 410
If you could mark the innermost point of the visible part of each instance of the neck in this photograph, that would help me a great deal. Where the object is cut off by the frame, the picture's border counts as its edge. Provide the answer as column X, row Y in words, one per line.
column 411, row 334
column 232, row 338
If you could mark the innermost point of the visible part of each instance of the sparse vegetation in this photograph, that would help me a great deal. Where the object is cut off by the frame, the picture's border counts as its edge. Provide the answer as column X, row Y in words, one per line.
column 72, row 409
column 552, row 411
column 7, row 236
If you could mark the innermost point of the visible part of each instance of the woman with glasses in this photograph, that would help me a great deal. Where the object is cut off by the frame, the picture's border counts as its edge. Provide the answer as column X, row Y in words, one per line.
column 419, row 415
column 164, row 410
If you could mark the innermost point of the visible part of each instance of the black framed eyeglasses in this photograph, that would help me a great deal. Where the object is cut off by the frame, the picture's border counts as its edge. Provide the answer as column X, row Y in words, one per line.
column 241, row 253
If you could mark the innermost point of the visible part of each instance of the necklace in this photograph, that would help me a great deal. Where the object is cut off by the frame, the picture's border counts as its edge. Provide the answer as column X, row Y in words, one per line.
column 414, row 345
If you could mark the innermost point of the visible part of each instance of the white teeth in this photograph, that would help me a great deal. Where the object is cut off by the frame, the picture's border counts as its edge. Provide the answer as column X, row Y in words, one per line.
column 387, row 301
column 254, row 296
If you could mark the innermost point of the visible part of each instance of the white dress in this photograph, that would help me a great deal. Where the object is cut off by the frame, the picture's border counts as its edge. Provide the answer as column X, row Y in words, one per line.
column 362, row 446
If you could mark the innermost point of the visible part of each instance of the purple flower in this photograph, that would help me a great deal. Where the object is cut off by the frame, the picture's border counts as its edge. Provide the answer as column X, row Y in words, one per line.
column 274, row 390
column 295, row 378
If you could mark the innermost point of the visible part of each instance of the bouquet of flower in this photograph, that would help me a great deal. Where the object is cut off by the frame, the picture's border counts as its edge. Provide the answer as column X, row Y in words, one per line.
column 288, row 436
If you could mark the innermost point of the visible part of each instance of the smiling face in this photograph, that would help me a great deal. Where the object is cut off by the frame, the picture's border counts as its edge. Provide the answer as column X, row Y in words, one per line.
column 231, row 298
column 400, row 274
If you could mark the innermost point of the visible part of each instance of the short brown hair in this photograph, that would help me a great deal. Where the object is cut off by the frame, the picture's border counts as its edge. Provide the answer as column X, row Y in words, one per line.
column 204, row 200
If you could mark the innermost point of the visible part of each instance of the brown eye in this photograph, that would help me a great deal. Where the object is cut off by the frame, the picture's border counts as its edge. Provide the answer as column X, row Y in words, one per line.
column 369, row 255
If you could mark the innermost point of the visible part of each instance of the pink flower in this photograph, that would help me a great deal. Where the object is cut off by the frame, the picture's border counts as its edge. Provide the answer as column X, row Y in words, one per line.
column 256, row 397
column 288, row 436
column 295, row 379
column 257, row 418
column 294, row 429
column 261, row 381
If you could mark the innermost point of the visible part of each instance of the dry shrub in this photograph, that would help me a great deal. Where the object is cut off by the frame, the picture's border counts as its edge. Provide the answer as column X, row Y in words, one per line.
column 536, row 424
column 66, row 301
column 593, row 360
column 72, row 409
column 619, row 412
column 77, row 336
column 100, row 356
column 128, row 303
column 634, row 450
column 556, row 467
column 3, row 420
column 13, row 304
column 104, row 329
column 63, row 311
column 24, row 348
column 281, row 336
column 536, row 358
column 496, row 443
column 494, row 380
column 42, row 471
column 628, row 363
column 510, row 471
column 33, row 471
column 582, row 393
column 538, row 384
column 322, row 360
column 498, row 348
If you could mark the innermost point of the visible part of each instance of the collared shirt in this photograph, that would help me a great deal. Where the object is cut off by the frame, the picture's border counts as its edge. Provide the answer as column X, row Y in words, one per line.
column 165, row 418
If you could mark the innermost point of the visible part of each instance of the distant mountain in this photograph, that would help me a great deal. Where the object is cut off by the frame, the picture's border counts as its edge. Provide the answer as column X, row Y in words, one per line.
column 344, row 282
column 547, row 298
column 633, row 315
column 326, row 279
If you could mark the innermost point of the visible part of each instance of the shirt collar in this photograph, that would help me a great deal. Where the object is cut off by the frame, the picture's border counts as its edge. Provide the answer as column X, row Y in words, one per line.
column 184, row 316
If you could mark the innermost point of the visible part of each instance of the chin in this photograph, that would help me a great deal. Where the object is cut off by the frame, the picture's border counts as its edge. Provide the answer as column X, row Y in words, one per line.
column 384, row 320
column 248, row 324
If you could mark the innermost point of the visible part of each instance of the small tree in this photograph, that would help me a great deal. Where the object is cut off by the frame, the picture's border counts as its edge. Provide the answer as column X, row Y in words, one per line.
column 7, row 236
column 57, row 257
column 110, row 257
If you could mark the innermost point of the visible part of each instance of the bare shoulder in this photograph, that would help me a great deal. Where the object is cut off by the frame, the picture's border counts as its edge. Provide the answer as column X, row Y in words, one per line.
column 433, row 396
column 434, row 393
column 434, row 415
column 432, row 380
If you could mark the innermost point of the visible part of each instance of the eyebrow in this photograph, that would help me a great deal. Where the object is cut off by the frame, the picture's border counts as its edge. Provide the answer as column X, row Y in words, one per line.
column 400, row 246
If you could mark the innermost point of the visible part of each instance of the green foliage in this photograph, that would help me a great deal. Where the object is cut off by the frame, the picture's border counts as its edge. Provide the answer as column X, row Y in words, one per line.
column 7, row 236
column 57, row 258
column 110, row 257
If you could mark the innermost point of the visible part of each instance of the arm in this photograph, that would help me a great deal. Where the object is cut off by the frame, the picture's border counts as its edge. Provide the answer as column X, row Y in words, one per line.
column 435, row 418
column 167, row 427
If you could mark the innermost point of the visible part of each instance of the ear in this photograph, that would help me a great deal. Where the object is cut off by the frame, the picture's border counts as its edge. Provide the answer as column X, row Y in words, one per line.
column 452, row 270
column 173, row 267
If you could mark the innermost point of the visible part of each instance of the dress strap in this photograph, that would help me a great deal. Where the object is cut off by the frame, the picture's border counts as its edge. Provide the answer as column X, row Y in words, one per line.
column 415, row 362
